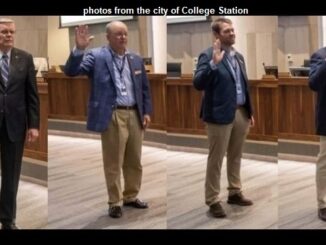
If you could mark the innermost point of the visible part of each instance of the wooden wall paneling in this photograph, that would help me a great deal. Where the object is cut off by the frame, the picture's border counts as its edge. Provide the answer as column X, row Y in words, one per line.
column 39, row 149
column 297, row 107
column 183, row 107
column 264, row 95
column 157, row 87
column 68, row 96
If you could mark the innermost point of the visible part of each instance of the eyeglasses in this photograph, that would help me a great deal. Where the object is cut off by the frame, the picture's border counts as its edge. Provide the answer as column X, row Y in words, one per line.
column 7, row 32
column 119, row 35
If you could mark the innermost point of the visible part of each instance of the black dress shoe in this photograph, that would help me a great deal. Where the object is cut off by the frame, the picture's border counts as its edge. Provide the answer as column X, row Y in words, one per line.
column 9, row 226
column 217, row 210
column 239, row 199
column 115, row 212
column 136, row 204
column 322, row 214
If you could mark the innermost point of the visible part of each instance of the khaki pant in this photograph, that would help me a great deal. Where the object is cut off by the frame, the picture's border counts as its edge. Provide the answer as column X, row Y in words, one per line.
column 321, row 174
column 121, row 149
column 227, row 138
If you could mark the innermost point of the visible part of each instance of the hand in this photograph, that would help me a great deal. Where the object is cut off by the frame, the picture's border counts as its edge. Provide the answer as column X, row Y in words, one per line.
column 82, row 37
column 252, row 122
column 147, row 120
column 32, row 134
column 217, row 53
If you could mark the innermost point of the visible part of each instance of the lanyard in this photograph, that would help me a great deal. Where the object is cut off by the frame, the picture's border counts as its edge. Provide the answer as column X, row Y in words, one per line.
column 123, row 88
column 120, row 69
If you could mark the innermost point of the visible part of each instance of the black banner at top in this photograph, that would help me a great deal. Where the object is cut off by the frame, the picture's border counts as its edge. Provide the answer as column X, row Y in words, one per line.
column 162, row 7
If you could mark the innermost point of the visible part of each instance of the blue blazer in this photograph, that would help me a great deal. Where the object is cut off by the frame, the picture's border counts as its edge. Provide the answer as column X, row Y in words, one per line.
column 97, row 64
column 219, row 102
column 317, row 82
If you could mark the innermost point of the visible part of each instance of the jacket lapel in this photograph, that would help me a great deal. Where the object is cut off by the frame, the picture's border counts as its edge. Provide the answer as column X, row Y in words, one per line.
column 242, row 67
column 131, row 62
column 227, row 67
column 109, row 62
column 14, row 64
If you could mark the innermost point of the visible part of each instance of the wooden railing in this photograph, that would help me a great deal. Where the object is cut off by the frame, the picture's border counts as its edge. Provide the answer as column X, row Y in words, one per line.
column 283, row 108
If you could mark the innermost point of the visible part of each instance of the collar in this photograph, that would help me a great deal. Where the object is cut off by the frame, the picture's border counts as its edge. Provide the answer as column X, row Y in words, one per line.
column 8, row 53
column 229, row 51
column 116, row 55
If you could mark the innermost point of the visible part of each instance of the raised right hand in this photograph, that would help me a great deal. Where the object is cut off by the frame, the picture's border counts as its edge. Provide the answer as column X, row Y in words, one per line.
column 217, row 53
column 82, row 37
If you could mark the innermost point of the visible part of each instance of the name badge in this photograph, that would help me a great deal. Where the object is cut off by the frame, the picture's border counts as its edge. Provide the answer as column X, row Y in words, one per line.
column 123, row 91
column 238, row 87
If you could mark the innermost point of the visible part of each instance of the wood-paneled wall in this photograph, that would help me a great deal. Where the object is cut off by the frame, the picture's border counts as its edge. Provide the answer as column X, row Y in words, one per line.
column 39, row 149
column 158, row 95
column 183, row 107
column 296, row 109
column 282, row 109
column 264, row 99
column 68, row 96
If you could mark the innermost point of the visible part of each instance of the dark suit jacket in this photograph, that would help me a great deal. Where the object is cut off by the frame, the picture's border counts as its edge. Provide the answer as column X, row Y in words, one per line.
column 98, row 65
column 317, row 82
column 219, row 101
column 19, row 101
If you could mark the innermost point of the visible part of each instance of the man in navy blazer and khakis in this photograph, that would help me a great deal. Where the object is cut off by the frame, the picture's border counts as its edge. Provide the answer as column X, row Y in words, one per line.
column 119, row 108
column 317, row 82
column 227, row 112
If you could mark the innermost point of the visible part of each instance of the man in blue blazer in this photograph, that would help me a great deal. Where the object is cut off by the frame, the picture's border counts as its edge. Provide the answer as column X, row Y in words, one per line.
column 119, row 108
column 227, row 111
column 317, row 82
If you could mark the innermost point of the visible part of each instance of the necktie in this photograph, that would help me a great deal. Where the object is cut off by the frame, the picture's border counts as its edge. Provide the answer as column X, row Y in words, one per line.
column 5, row 69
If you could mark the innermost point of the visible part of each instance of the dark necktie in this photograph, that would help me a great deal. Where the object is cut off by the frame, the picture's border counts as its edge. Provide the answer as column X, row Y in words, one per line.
column 5, row 69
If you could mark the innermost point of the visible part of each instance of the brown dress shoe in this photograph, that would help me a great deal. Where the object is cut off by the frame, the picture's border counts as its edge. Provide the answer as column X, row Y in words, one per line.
column 217, row 210
column 239, row 199
column 322, row 214
column 136, row 204
column 115, row 212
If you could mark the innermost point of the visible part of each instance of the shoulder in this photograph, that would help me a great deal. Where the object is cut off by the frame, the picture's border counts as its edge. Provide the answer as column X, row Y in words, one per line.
column 208, row 51
column 206, row 54
column 320, row 52
column 98, row 50
column 136, row 58
column 20, row 52
column 240, row 55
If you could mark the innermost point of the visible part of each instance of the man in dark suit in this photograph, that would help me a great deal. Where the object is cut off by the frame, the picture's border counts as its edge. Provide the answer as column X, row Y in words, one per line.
column 317, row 82
column 19, row 110
column 227, row 111
column 119, row 107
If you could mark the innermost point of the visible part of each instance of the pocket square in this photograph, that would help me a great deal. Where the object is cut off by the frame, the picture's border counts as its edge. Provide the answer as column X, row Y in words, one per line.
column 137, row 72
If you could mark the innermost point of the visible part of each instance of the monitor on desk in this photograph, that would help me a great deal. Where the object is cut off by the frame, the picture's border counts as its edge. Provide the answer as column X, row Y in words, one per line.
column 271, row 70
column 299, row 71
column 306, row 63
column 173, row 69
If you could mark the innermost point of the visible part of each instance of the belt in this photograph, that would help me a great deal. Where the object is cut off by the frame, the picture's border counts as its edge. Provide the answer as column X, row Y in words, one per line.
column 124, row 107
column 239, row 107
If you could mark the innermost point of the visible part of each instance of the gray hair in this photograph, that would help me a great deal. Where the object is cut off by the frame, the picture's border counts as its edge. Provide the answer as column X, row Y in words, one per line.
column 6, row 20
column 109, row 25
